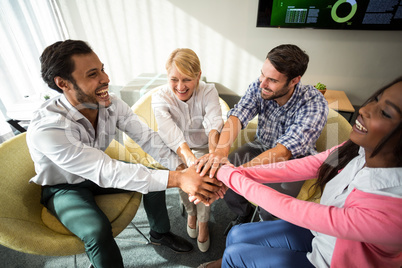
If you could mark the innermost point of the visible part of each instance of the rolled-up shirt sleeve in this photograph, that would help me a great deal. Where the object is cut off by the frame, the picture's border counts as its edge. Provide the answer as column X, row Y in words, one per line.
column 66, row 148
column 246, row 109
column 65, row 159
column 149, row 140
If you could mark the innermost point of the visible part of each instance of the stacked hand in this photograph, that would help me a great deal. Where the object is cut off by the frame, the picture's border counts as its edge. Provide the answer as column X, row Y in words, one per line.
column 203, row 188
column 208, row 165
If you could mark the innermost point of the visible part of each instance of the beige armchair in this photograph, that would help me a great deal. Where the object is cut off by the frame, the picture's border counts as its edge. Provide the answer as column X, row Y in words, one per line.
column 26, row 226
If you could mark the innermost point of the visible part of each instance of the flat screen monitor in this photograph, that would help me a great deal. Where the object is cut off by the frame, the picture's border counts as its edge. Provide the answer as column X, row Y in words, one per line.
column 331, row 14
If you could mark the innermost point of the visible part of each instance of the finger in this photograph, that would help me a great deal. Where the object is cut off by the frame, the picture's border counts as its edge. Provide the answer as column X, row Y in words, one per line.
column 201, row 164
column 230, row 165
column 207, row 166
column 197, row 201
column 224, row 189
column 215, row 166
column 192, row 198
column 205, row 156
column 208, row 191
column 213, row 181
column 221, row 193
column 201, row 198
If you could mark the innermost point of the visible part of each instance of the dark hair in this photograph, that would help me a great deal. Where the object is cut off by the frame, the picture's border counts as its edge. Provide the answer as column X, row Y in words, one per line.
column 56, row 60
column 289, row 60
column 340, row 157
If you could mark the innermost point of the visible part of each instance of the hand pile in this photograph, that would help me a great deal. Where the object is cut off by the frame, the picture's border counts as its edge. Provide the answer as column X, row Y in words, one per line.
column 207, row 166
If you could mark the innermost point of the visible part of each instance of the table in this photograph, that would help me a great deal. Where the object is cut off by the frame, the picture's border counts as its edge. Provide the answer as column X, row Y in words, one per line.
column 338, row 101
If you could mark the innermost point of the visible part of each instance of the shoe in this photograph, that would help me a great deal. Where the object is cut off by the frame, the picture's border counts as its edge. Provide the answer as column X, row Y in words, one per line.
column 192, row 232
column 174, row 242
column 238, row 220
column 204, row 246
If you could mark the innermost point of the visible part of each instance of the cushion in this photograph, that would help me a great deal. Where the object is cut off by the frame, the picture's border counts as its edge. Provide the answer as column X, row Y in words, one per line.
column 308, row 193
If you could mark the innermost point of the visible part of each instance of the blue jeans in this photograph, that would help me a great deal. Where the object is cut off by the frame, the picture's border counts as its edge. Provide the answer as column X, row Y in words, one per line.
column 268, row 244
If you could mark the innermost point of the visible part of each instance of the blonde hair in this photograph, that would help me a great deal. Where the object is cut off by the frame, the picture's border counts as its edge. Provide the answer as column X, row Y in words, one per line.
column 186, row 62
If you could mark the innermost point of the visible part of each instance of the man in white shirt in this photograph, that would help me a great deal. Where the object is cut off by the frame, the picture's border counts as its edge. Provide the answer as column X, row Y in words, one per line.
column 67, row 138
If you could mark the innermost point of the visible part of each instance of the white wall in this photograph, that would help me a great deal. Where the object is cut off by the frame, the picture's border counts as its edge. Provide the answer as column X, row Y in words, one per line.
column 136, row 36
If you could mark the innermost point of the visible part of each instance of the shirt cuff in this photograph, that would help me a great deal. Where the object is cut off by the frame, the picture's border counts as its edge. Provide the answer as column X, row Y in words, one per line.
column 159, row 180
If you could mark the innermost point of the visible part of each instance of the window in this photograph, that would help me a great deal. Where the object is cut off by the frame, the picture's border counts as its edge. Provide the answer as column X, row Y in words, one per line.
column 26, row 28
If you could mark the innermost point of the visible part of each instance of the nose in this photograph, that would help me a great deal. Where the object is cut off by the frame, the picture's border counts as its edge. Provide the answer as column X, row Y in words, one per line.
column 104, row 78
column 180, row 85
column 264, row 83
column 365, row 110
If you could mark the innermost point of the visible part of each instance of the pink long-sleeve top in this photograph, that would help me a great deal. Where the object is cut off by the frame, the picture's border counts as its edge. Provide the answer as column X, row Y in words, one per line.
column 358, row 222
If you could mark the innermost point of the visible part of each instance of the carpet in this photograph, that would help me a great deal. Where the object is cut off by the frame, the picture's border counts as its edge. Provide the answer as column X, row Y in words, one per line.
column 132, row 245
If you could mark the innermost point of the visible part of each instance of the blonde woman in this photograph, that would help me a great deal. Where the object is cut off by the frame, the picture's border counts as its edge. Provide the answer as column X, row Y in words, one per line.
column 189, row 119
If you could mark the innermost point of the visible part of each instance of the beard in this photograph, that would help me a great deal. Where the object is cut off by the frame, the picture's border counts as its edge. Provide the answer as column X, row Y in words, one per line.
column 276, row 94
column 87, row 101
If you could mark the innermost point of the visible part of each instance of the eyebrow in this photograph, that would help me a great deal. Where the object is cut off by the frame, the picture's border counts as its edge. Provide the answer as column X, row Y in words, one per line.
column 270, row 78
column 95, row 69
column 394, row 106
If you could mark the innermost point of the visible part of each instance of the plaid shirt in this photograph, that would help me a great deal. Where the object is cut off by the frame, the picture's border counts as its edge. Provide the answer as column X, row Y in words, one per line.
column 296, row 125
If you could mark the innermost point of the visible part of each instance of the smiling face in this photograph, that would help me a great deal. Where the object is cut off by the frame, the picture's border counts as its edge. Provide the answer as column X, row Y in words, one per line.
column 182, row 85
column 90, row 88
column 274, row 85
column 376, row 120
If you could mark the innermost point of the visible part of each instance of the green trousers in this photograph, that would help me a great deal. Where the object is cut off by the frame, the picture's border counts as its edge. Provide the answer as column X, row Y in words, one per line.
column 75, row 207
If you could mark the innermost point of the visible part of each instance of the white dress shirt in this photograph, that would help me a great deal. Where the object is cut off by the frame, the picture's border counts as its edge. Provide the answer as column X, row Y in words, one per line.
column 66, row 148
column 189, row 121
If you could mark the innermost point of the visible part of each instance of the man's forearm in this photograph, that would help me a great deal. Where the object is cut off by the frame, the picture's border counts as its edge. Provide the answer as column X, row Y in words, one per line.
column 228, row 135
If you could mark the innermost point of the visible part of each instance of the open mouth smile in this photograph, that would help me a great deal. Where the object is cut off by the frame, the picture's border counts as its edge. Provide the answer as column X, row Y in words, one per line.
column 102, row 93
column 182, row 91
column 359, row 126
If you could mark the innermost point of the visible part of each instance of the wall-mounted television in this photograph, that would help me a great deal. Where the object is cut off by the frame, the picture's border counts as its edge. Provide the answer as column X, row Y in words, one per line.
column 331, row 14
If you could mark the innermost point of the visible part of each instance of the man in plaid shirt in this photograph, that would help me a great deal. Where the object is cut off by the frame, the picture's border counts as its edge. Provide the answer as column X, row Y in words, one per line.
column 291, row 117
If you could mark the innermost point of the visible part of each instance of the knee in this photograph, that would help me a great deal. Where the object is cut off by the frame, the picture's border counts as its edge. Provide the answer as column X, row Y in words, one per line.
column 97, row 232
column 232, row 255
column 235, row 235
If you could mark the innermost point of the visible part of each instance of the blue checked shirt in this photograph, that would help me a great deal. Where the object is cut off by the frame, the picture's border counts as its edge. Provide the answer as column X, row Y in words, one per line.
column 296, row 125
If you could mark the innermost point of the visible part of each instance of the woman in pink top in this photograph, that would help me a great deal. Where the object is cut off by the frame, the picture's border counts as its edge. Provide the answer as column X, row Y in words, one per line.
column 358, row 222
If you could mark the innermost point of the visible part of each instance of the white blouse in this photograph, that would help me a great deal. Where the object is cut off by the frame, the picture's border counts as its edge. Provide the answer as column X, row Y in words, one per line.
column 189, row 121
column 381, row 181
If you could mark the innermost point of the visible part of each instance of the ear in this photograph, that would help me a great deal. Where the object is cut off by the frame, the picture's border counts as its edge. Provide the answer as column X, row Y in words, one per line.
column 61, row 83
column 295, row 81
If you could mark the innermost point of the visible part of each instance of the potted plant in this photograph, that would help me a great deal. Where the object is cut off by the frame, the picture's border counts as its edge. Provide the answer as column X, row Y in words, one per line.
column 321, row 87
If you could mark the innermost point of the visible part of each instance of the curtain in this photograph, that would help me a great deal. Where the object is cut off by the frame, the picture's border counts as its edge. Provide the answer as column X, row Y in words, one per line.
column 27, row 27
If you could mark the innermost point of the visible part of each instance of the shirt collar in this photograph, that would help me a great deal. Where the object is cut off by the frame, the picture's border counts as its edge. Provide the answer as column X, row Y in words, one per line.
column 73, row 112
column 294, row 98
column 76, row 115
